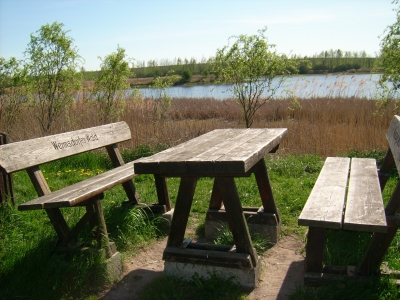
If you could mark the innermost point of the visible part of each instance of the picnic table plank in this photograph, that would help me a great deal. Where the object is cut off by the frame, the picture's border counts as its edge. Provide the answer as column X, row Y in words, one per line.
column 151, row 165
column 253, row 150
column 325, row 204
column 364, row 209
column 221, row 151
column 209, row 160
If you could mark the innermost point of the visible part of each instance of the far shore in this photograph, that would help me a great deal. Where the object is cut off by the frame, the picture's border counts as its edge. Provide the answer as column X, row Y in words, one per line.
column 210, row 79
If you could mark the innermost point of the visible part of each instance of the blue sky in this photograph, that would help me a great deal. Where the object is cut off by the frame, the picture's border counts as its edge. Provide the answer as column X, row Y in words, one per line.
column 167, row 29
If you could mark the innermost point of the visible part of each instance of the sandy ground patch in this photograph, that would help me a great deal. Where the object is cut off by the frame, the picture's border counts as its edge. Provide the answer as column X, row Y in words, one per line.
column 281, row 272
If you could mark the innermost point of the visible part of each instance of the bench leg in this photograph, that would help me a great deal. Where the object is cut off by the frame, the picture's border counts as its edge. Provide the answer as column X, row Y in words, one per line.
column 103, row 234
column 58, row 222
column 377, row 249
column 69, row 240
column 128, row 186
column 315, row 249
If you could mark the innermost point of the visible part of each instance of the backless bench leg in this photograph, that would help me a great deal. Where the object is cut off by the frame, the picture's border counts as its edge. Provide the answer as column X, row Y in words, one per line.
column 315, row 249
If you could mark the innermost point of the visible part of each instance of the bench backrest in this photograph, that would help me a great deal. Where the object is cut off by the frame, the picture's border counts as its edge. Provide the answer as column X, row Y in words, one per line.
column 393, row 137
column 25, row 154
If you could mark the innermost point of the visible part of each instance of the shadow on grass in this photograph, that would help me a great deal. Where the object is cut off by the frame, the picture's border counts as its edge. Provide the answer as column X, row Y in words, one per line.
column 42, row 273
column 198, row 288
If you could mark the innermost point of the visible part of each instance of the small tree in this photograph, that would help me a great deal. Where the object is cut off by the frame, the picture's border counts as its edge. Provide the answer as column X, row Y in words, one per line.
column 12, row 92
column 250, row 66
column 390, row 61
column 52, row 64
column 109, row 87
column 162, row 102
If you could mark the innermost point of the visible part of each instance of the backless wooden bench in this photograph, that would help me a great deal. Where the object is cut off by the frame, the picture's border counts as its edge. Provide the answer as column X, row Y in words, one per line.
column 30, row 154
column 348, row 195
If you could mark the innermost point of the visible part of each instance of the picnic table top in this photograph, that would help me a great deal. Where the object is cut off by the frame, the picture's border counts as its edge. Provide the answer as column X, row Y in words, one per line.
column 219, row 152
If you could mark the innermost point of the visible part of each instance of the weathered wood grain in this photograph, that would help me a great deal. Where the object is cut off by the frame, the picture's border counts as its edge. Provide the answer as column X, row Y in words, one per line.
column 314, row 249
column 324, row 207
column 184, row 201
column 219, row 152
column 364, row 206
column 22, row 155
column 236, row 219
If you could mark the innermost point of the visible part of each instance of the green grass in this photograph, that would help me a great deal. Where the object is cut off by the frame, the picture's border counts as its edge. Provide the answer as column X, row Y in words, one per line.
column 31, row 269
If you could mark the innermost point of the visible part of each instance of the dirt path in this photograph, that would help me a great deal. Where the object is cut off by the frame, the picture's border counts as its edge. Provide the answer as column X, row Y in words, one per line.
column 282, row 270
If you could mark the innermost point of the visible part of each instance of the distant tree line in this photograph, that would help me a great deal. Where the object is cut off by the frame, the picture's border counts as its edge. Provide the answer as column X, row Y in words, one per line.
column 336, row 61
column 323, row 62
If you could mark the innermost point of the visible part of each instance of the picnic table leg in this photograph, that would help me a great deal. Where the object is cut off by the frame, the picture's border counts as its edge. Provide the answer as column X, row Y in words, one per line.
column 216, row 197
column 236, row 219
column 162, row 191
column 182, row 209
column 315, row 249
column 264, row 187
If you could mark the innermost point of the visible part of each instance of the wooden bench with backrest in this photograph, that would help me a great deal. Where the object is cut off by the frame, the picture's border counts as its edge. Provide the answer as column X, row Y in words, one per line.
column 30, row 154
column 348, row 195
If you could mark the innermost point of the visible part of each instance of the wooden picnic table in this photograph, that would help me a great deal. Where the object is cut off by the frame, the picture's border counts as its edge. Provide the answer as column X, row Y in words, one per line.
column 222, row 154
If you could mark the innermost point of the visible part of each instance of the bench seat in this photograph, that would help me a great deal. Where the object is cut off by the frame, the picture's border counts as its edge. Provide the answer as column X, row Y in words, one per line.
column 79, row 192
column 327, row 206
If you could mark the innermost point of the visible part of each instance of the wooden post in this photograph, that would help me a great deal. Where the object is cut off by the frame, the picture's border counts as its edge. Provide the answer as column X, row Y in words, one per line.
column 264, row 187
column 236, row 219
column 315, row 249
column 162, row 191
column 182, row 209
column 6, row 180
column 216, row 197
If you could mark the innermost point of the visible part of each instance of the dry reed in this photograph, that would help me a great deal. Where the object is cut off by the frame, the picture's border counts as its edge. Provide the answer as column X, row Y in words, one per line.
column 319, row 126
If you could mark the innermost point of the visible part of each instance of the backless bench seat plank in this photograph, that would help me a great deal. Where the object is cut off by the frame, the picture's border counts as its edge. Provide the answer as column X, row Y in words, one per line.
column 364, row 208
column 324, row 207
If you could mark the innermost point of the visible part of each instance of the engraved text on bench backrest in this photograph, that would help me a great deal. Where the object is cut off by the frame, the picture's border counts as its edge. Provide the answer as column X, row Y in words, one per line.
column 21, row 155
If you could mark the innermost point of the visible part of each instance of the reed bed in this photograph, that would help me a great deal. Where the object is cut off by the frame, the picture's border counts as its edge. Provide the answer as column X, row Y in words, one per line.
column 322, row 126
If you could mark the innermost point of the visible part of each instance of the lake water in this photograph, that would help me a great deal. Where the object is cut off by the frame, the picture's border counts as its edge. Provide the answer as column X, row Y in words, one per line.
column 308, row 86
